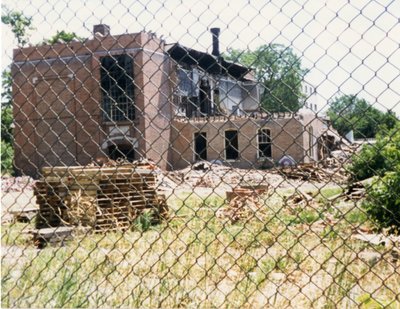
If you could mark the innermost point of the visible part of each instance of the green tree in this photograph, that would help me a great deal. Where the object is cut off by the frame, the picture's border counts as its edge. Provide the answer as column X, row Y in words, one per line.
column 63, row 37
column 279, row 69
column 20, row 26
column 351, row 113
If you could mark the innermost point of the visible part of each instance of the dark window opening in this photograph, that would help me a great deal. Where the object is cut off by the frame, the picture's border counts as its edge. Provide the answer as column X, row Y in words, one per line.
column 200, row 146
column 231, row 145
column 187, row 106
column 205, row 98
column 125, row 152
column 264, row 143
column 117, row 88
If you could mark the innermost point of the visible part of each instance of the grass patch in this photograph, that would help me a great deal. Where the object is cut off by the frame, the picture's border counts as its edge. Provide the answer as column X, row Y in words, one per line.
column 16, row 234
column 198, row 260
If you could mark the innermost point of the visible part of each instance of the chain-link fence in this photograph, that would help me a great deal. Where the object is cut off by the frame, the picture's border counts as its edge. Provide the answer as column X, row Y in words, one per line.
column 200, row 154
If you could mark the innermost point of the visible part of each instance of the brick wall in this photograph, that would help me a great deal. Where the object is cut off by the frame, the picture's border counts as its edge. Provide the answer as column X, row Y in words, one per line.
column 57, row 101
column 287, row 139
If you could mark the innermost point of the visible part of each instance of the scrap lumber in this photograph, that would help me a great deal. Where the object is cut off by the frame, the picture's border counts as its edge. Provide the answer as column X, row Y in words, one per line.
column 243, row 203
column 104, row 198
column 299, row 199
column 313, row 172
column 355, row 191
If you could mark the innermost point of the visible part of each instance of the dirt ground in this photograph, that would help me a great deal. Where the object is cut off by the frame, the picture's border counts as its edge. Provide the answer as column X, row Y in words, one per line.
column 202, row 178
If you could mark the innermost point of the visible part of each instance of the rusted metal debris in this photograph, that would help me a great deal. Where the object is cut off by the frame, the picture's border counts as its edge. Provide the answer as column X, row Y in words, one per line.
column 355, row 191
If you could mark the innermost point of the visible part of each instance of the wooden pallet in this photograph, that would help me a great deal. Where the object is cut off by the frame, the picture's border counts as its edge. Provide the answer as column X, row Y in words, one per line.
column 117, row 194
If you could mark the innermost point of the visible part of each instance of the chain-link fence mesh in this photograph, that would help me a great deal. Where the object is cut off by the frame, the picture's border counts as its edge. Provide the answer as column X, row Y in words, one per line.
column 200, row 154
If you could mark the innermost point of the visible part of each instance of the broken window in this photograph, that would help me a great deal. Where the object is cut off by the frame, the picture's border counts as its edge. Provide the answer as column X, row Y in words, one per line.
column 264, row 143
column 188, row 83
column 117, row 87
column 187, row 92
column 230, row 96
column 251, row 96
column 231, row 145
column 200, row 146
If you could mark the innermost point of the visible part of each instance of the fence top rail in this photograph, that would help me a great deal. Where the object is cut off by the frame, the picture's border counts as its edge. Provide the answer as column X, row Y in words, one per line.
column 221, row 118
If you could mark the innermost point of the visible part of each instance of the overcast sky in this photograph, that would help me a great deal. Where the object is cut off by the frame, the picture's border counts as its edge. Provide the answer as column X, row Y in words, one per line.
column 350, row 48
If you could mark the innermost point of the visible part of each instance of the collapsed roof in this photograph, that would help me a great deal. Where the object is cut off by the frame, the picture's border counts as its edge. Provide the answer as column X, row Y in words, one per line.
column 209, row 63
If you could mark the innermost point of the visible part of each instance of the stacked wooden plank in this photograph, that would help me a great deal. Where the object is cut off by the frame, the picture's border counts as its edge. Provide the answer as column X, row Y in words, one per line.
column 103, row 198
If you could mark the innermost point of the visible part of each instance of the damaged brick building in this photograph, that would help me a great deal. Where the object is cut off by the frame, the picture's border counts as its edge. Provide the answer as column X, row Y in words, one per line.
column 134, row 96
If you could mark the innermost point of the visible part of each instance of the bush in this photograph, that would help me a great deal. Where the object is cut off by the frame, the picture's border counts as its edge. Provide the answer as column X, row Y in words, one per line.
column 383, row 160
column 383, row 200
column 377, row 159
column 7, row 155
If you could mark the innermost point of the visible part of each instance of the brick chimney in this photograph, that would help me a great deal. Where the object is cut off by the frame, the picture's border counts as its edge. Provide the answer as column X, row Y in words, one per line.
column 102, row 29
column 215, row 41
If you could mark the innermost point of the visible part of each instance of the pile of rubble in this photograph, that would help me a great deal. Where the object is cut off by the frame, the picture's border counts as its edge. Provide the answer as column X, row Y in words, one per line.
column 211, row 175
column 313, row 172
column 16, row 184
column 242, row 203
column 301, row 199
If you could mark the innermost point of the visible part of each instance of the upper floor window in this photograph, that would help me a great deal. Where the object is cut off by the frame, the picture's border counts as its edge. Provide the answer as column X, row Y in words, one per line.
column 264, row 143
column 117, row 87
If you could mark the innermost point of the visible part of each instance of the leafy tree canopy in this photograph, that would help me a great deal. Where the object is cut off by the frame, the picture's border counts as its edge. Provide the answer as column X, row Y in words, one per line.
column 19, row 23
column 63, row 37
column 20, row 26
column 279, row 69
column 351, row 113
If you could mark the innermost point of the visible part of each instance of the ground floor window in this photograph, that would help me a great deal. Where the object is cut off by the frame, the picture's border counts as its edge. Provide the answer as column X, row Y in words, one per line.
column 231, row 145
column 125, row 152
column 264, row 143
column 200, row 146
